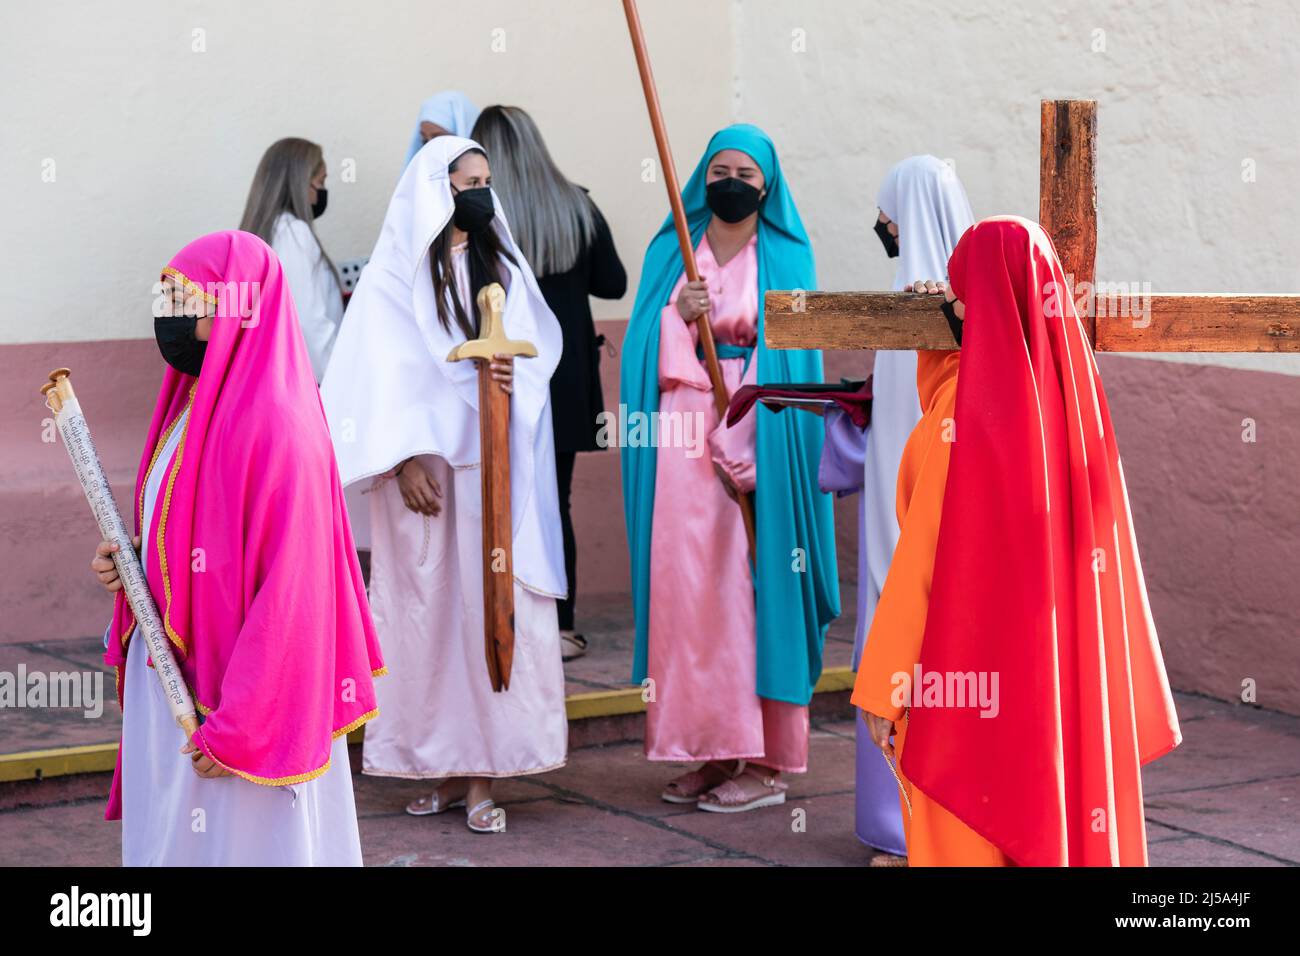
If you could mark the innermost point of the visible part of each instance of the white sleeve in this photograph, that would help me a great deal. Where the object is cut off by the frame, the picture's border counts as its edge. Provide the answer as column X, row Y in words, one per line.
column 300, row 257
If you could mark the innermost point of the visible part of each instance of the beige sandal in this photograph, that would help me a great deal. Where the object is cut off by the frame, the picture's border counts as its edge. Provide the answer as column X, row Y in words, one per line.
column 689, row 786
column 731, row 796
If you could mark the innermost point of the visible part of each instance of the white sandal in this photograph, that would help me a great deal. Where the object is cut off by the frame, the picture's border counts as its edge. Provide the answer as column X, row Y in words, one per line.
column 572, row 646
column 428, row 806
column 470, row 815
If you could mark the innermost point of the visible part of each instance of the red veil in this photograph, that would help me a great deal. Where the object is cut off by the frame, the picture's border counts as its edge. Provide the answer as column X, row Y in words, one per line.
column 1037, row 579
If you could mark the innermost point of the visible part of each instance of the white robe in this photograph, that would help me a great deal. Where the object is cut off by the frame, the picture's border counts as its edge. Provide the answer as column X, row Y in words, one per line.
column 438, row 715
column 317, row 298
column 924, row 197
column 390, row 393
column 173, row 817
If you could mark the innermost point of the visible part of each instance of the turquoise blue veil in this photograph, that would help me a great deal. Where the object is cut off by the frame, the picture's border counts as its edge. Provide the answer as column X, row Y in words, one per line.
column 796, row 579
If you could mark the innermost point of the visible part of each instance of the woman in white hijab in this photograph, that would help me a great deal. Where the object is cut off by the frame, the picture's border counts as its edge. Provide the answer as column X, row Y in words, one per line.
column 405, row 422
column 449, row 113
column 923, row 212
column 924, row 208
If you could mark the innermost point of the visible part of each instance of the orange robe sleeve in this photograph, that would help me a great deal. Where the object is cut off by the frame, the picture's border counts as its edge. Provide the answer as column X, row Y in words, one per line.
column 893, row 645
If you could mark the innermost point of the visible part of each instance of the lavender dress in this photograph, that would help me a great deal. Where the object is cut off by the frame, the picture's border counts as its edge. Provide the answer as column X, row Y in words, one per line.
column 879, row 817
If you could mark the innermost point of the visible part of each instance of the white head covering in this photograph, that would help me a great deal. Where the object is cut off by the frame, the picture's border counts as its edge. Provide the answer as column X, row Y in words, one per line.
column 924, row 196
column 390, row 393
column 451, row 110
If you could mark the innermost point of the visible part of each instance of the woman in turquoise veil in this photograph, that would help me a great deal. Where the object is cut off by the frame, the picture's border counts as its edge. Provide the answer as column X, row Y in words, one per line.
column 728, row 650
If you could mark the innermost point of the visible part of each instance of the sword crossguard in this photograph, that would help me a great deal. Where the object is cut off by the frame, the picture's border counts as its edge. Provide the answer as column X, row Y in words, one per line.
column 492, row 338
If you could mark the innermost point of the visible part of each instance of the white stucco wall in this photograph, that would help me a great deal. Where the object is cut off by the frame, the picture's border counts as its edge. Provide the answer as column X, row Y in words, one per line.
column 1186, row 91
column 154, row 143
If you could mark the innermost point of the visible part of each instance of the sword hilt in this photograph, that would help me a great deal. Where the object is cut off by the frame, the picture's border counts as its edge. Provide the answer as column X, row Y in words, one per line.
column 492, row 338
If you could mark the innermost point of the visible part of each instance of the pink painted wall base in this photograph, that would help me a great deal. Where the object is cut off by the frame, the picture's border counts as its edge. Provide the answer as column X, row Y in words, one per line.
column 1216, row 515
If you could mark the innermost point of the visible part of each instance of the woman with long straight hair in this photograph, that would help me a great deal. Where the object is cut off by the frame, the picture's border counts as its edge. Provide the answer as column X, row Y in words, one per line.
column 288, row 195
column 405, row 422
column 567, row 242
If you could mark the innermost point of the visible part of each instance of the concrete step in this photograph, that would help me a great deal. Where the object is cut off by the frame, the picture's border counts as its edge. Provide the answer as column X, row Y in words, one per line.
column 42, row 749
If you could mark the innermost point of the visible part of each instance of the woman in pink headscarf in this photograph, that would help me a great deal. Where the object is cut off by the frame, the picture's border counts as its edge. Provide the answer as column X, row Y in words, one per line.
column 248, row 553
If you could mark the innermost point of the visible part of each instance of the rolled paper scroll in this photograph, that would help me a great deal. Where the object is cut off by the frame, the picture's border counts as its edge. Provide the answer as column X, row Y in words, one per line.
column 61, row 400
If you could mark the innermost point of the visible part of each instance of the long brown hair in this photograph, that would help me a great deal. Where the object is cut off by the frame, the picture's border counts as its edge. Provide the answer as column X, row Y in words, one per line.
column 485, row 251
column 280, row 185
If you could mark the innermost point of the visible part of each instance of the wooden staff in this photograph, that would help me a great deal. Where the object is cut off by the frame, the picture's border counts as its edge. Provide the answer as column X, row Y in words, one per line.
column 720, row 397
column 61, row 400
column 494, row 476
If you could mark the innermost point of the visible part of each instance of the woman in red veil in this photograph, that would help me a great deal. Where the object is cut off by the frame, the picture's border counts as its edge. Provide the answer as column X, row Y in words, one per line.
column 1016, row 573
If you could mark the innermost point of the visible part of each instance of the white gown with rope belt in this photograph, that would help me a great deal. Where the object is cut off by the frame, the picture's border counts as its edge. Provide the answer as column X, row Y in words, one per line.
column 438, row 715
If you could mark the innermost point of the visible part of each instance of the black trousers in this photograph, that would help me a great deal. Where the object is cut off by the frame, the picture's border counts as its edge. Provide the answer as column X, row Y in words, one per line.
column 564, row 461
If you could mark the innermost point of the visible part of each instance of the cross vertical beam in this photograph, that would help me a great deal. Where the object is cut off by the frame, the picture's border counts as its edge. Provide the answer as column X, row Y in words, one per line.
column 1067, row 194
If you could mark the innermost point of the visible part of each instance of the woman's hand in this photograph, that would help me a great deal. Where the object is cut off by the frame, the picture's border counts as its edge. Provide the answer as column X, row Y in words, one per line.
column 503, row 371
column 693, row 300
column 203, row 765
column 420, row 491
column 880, row 728
column 933, row 287
column 103, row 566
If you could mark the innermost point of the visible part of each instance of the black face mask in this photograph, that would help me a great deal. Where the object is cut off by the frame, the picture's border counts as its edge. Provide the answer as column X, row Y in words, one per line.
column 178, row 344
column 474, row 209
column 889, row 241
column 732, row 200
column 954, row 324
column 322, row 198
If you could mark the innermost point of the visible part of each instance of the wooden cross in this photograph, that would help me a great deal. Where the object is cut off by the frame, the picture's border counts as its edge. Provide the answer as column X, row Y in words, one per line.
column 1116, row 321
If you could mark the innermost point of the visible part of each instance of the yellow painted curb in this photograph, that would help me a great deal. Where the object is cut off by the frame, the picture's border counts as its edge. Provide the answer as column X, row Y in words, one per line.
column 98, row 758
column 57, row 762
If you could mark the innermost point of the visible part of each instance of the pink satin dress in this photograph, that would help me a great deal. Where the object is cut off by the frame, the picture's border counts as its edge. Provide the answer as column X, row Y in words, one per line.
column 701, row 654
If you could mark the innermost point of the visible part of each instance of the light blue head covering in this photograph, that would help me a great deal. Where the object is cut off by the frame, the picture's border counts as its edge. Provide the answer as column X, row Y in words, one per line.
column 796, row 528
column 451, row 110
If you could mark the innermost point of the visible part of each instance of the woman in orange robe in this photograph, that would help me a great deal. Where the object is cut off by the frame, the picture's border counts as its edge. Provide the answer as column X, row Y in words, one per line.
column 1017, row 570
column 934, row 836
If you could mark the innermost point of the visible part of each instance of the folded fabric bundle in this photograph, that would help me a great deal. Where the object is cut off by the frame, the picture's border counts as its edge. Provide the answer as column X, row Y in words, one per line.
column 853, row 397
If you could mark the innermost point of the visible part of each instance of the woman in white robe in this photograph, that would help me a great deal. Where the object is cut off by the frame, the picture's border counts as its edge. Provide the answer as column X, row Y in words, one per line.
column 405, row 424
column 923, row 212
column 286, row 198
column 259, row 783
column 173, row 817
